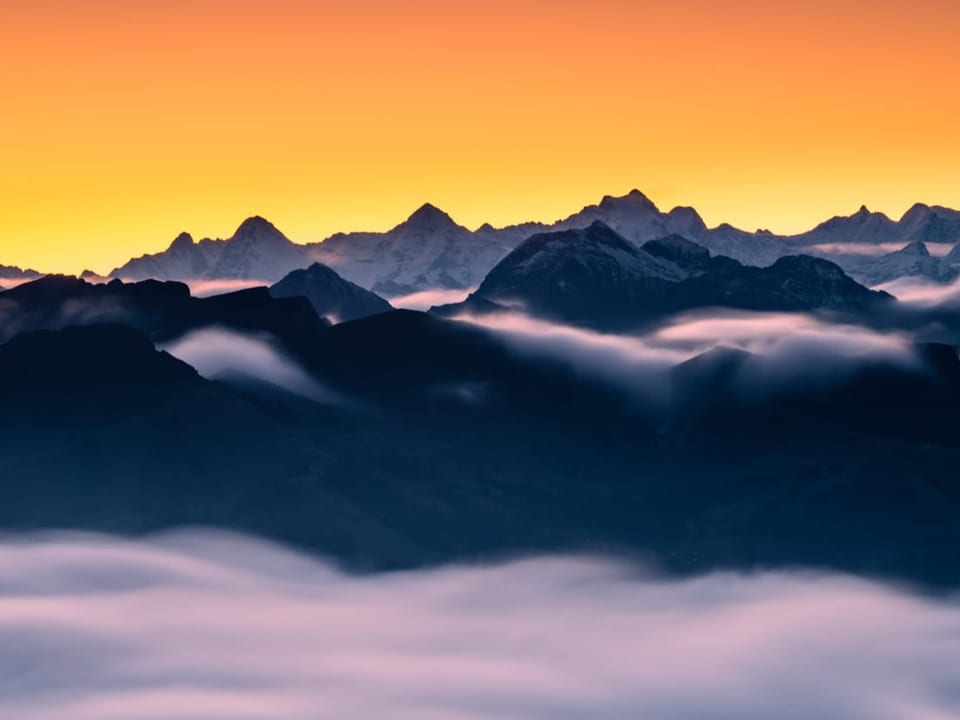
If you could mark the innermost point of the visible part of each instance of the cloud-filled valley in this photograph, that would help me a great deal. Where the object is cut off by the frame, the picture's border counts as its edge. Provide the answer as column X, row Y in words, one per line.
column 616, row 477
column 208, row 625
column 785, row 349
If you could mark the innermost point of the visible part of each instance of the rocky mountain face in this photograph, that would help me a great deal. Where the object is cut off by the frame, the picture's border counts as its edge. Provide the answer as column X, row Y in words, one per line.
column 598, row 279
column 580, row 276
column 185, row 259
column 913, row 260
column 159, row 310
column 256, row 251
column 459, row 447
column 431, row 251
column 332, row 297
column 428, row 250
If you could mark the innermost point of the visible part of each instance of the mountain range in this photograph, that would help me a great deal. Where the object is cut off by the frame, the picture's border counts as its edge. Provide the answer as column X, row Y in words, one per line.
column 454, row 445
column 596, row 278
column 815, row 426
column 430, row 251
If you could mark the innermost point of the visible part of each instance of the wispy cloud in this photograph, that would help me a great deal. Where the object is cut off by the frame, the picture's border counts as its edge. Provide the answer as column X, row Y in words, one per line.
column 628, row 361
column 426, row 299
column 217, row 354
column 876, row 249
column 205, row 288
column 785, row 347
column 922, row 292
column 215, row 626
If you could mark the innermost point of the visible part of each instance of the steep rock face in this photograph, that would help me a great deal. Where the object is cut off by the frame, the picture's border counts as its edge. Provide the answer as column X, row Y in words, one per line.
column 160, row 310
column 951, row 261
column 185, row 259
column 428, row 250
column 792, row 283
column 689, row 256
column 596, row 278
column 923, row 223
column 638, row 219
column 431, row 251
column 914, row 260
column 593, row 276
column 257, row 251
column 331, row 296
column 863, row 226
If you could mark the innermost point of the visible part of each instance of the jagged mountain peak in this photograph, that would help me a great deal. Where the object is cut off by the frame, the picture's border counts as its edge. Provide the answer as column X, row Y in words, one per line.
column 633, row 200
column 429, row 217
column 917, row 210
column 679, row 250
column 259, row 228
column 809, row 265
column 917, row 248
column 331, row 295
column 182, row 241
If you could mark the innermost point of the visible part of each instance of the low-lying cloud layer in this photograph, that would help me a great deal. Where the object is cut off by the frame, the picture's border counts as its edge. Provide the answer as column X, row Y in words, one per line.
column 426, row 299
column 206, row 288
column 867, row 249
column 924, row 293
column 220, row 354
column 786, row 348
column 213, row 626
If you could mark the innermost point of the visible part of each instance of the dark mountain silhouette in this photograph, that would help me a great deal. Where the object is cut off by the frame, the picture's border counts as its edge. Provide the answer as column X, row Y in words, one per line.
column 690, row 257
column 597, row 279
column 10, row 272
column 331, row 296
column 459, row 446
column 161, row 310
column 590, row 276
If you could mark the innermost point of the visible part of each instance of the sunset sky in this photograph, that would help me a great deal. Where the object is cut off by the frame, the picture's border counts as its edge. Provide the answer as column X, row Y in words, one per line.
column 125, row 122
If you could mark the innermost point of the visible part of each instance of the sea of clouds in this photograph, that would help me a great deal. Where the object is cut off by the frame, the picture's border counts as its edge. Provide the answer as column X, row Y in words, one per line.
column 209, row 625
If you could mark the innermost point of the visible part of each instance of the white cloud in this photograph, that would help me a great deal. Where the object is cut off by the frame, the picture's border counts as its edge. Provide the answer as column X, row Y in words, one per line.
column 215, row 626
column 923, row 292
column 218, row 354
column 206, row 288
column 876, row 249
column 426, row 299
column 786, row 347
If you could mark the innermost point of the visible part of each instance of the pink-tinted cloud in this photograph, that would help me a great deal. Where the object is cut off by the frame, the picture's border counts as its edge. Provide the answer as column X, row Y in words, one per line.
column 922, row 292
column 786, row 348
column 206, row 288
column 426, row 299
column 213, row 626
column 8, row 283
column 875, row 249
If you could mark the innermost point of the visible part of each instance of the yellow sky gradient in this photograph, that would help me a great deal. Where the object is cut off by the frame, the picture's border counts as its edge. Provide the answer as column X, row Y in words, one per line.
column 123, row 123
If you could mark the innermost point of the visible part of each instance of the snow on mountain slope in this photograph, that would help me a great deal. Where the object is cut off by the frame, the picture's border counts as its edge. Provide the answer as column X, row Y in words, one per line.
column 428, row 250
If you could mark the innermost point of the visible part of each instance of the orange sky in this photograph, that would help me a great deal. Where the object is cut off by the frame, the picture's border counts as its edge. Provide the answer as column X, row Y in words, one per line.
column 123, row 123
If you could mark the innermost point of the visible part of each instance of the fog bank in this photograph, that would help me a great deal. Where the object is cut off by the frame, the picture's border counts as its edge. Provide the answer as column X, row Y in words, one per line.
column 205, row 625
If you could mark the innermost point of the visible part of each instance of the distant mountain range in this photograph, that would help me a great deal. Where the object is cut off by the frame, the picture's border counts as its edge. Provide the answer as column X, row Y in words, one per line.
column 431, row 251
column 596, row 278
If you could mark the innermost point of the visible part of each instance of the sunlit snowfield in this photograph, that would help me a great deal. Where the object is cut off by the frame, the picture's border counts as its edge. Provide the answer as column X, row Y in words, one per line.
column 209, row 625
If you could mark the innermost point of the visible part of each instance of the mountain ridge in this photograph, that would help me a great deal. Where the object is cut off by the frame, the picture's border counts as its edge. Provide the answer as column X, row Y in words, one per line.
column 430, row 250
